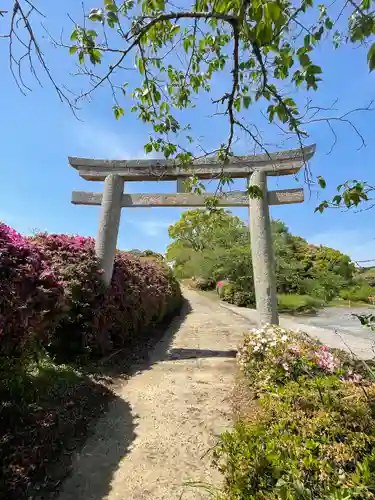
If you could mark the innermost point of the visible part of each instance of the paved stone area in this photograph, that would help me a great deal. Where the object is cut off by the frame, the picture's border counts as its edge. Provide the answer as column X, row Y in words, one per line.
column 340, row 331
column 340, row 319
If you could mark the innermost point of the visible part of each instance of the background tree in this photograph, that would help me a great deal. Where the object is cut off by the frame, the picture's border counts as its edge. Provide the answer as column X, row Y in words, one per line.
column 216, row 246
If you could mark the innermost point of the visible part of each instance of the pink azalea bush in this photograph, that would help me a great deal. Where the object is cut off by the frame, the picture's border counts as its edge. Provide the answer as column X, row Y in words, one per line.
column 31, row 297
column 83, row 329
column 271, row 355
column 142, row 294
column 52, row 292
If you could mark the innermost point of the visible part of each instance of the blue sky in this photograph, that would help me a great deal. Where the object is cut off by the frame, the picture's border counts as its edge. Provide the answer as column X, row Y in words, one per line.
column 38, row 133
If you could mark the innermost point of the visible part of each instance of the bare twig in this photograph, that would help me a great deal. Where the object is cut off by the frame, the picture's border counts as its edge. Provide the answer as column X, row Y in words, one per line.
column 21, row 20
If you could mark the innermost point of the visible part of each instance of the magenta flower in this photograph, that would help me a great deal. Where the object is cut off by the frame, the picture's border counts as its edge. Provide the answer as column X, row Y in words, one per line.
column 325, row 360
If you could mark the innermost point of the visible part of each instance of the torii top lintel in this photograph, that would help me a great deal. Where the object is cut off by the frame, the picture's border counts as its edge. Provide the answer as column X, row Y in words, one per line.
column 279, row 163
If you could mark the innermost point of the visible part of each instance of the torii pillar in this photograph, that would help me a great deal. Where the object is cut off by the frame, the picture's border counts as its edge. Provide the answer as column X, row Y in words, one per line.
column 262, row 252
column 109, row 223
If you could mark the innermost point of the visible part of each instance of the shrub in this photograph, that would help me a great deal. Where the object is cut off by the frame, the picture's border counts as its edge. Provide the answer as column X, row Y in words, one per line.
column 205, row 284
column 142, row 293
column 292, row 303
column 312, row 432
column 220, row 287
column 84, row 328
column 359, row 293
column 232, row 294
column 30, row 295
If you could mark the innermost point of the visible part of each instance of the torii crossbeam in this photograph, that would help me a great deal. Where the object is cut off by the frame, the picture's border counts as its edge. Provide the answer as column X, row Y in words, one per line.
column 255, row 168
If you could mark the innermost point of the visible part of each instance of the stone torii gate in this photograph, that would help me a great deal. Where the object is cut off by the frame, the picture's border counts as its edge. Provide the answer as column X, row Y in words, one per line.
column 255, row 168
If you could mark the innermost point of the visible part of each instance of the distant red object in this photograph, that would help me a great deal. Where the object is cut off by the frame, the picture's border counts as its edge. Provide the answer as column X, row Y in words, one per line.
column 220, row 284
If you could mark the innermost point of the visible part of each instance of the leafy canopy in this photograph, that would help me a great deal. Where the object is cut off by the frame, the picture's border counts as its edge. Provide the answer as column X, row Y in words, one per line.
column 262, row 51
column 178, row 49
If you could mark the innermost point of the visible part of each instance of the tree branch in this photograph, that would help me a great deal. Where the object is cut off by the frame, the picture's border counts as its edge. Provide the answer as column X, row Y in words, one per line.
column 138, row 33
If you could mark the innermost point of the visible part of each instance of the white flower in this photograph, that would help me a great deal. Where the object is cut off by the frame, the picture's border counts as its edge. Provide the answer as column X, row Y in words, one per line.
column 284, row 338
column 285, row 366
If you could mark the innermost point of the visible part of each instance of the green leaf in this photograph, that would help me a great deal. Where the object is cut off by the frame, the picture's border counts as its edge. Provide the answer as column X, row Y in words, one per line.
column 175, row 29
column 81, row 57
column 96, row 15
column 246, row 101
column 322, row 183
column 328, row 23
column 274, row 10
column 371, row 57
column 304, row 60
column 187, row 44
column 118, row 112
column 112, row 19
column 321, row 207
column 141, row 66
column 95, row 56
column 74, row 35
column 110, row 6
column 316, row 70
column 255, row 192
column 337, row 199
column 73, row 50
column 148, row 147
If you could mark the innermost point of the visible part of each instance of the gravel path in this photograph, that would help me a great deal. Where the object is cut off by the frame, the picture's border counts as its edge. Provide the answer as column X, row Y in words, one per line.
column 158, row 434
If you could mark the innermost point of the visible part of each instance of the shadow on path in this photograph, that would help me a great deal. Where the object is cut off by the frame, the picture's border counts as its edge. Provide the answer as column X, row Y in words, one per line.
column 184, row 353
column 98, row 459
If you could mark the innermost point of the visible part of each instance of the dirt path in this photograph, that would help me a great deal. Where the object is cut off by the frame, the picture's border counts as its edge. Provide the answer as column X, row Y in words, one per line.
column 157, row 435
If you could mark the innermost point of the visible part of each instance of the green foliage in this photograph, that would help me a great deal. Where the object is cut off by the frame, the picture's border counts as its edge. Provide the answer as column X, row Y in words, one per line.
column 367, row 274
column 308, row 269
column 249, row 42
column 292, row 303
column 201, row 229
column 359, row 293
column 311, row 432
column 235, row 295
column 350, row 194
column 216, row 246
